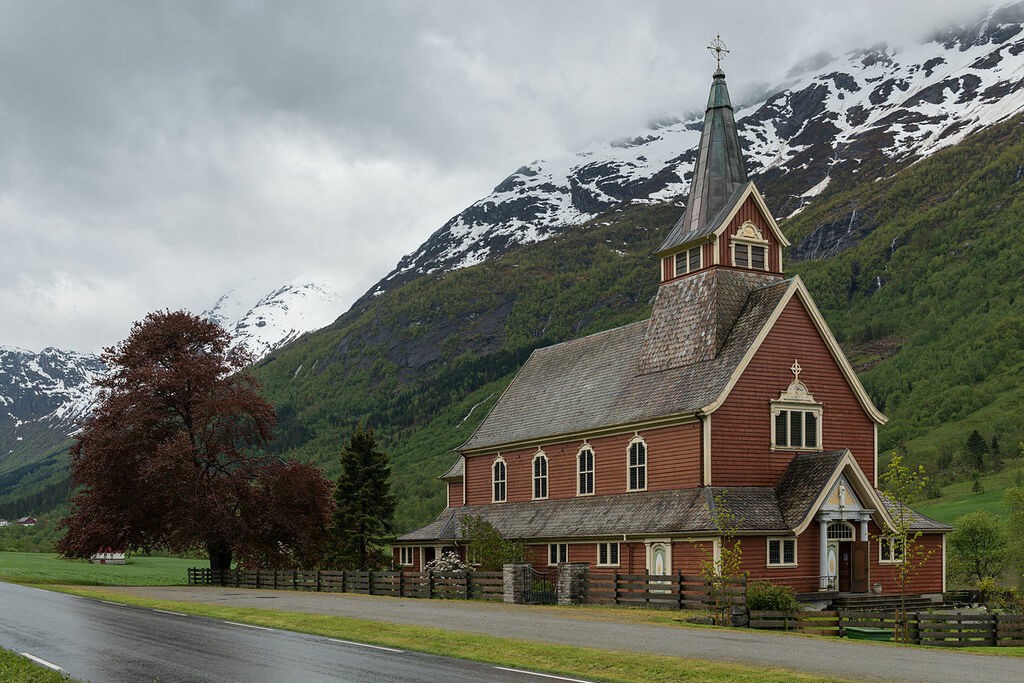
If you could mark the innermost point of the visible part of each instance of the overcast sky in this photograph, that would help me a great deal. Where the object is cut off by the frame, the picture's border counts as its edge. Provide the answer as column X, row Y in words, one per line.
column 155, row 154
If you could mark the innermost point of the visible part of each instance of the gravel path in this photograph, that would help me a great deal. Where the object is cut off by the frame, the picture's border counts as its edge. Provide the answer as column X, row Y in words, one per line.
column 845, row 659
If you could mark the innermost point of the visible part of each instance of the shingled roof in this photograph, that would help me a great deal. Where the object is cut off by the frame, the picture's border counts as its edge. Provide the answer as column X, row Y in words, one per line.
column 675, row 363
column 757, row 509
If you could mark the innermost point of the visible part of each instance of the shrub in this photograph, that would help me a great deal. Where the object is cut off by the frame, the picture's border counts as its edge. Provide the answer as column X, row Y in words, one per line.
column 765, row 595
column 447, row 563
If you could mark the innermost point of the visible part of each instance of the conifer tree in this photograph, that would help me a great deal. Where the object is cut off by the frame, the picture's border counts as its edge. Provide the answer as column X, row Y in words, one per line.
column 977, row 449
column 364, row 504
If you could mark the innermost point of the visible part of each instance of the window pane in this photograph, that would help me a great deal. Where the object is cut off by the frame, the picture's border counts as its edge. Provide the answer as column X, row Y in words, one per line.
column 695, row 259
column 741, row 255
column 812, row 430
column 602, row 553
column 757, row 257
column 641, row 477
column 780, row 428
column 773, row 552
column 789, row 551
column 796, row 432
column 613, row 549
column 563, row 552
column 681, row 263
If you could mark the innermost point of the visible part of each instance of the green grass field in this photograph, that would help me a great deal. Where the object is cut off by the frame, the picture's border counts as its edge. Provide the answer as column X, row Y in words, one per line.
column 16, row 669
column 45, row 568
column 958, row 498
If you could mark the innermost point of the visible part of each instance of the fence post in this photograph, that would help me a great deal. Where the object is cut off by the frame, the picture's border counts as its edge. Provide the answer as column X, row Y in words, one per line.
column 430, row 583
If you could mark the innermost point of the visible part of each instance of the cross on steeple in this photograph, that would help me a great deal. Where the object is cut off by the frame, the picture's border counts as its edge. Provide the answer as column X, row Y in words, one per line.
column 796, row 370
column 718, row 47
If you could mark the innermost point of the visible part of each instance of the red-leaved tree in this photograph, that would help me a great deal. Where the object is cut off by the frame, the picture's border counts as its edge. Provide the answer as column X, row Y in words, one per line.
column 169, row 457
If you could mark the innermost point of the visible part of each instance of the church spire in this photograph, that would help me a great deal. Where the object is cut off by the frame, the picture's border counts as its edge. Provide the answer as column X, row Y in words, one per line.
column 719, row 174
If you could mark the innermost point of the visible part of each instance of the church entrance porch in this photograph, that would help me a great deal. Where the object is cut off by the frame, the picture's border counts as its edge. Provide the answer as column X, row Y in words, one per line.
column 845, row 553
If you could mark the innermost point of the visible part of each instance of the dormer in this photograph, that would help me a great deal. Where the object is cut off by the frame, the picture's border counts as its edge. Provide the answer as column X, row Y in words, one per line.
column 726, row 221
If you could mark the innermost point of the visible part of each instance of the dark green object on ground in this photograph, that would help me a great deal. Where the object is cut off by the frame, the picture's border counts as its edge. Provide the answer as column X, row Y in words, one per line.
column 868, row 633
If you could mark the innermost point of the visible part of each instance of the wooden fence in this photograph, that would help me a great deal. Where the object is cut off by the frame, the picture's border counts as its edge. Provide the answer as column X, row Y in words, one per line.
column 953, row 629
column 670, row 591
column 456, row 585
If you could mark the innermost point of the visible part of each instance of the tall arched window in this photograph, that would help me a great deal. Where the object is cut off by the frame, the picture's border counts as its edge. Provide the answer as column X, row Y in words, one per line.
column 637, row 474
column 498, row 475
column 540, row 475
column 585, row 471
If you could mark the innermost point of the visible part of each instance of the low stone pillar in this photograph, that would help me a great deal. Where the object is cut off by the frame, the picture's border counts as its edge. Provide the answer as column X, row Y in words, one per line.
column 514, row 579
column 572, row 582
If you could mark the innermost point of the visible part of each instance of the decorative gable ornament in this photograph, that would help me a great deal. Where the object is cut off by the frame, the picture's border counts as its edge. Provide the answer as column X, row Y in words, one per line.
column 796, row 417
column 797, row 391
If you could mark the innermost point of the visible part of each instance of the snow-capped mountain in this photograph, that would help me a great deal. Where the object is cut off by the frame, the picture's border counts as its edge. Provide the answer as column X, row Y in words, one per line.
column 48, row 389
column 857, row 112
column 281, row 316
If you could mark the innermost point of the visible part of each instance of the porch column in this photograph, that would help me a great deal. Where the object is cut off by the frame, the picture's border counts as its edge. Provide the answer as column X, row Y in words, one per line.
column 864, row 528
column 823, row 554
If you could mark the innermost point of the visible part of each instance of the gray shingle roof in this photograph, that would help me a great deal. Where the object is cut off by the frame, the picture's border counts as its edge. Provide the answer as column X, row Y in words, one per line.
column 918, row 522
column 802, row 483
column 456, row 472
column 675, row 363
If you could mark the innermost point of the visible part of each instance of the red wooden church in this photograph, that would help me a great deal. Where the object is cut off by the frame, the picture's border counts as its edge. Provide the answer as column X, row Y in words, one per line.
column 615, row 448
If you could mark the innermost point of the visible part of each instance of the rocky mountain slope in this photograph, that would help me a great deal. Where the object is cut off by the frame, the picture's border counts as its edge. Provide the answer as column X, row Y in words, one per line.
column 836, row 116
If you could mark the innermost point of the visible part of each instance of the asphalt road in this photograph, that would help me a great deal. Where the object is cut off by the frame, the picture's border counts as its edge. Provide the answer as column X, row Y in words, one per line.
column 97, row 641
column 841, row 658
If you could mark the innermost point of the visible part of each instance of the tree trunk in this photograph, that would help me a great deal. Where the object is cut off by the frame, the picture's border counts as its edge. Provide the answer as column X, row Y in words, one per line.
column 220, row 554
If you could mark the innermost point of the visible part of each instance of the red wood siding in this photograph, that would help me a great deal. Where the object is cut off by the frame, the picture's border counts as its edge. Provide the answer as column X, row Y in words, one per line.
column 804, row 577
column 741, row 428
column 687, row 556
column 926, row 579
column 455, row 494
column 749, row 211
column 667, row 268
column 673, row 461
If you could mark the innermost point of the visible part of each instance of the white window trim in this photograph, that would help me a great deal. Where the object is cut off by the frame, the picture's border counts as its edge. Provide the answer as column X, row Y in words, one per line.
column 686, row 258
column 813, row 408
column 494, row 480
column 647, row 459
column 558, row 553
column 593, row 469
column 402, row 561
column 749, row 236
column 782, row 552
column 534, row 478
column 889, row 559
column 608, row 554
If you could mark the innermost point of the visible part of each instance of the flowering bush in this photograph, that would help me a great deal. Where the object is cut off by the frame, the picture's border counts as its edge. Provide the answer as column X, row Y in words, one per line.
column 447, row 563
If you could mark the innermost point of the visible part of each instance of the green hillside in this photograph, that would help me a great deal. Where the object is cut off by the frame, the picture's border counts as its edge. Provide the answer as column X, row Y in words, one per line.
column 928, row 305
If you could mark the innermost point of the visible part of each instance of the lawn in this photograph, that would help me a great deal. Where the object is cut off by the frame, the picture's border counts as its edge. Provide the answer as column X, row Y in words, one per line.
column 16, row 669
column 958, row 498
column 46, row 568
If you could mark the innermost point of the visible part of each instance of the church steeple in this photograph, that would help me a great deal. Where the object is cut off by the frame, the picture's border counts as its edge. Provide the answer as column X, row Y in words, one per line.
column 719, row 174
column 726, row 222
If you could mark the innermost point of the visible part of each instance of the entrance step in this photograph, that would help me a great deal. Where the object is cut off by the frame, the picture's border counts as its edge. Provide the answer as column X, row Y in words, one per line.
column 883, row 602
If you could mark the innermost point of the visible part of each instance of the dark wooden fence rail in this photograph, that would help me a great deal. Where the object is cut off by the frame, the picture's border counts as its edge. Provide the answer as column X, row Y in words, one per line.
column 957, row 629
column 458, row 585
column 672, row 591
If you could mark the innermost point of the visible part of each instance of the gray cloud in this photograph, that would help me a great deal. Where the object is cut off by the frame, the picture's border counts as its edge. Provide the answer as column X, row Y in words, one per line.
column 155, row 154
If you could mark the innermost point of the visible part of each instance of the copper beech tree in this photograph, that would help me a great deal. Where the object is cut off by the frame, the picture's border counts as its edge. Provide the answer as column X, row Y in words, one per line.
column 169, row 458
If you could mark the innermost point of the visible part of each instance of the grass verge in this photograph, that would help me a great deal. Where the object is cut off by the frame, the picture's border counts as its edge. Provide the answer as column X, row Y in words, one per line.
column 17, row 669
column 577, row 662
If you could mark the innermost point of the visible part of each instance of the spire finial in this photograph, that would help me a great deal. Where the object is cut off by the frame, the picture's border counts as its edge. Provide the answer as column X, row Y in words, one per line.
column 796, row 369
column 718, row 47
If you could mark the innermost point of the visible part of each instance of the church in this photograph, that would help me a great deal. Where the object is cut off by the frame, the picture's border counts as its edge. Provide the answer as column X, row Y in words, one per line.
column 616, row 448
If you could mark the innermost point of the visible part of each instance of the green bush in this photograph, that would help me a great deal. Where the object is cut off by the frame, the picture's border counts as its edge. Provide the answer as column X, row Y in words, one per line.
column 765, row 595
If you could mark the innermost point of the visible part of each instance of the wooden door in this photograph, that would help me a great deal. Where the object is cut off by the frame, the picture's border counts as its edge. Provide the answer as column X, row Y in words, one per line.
column 859, row 576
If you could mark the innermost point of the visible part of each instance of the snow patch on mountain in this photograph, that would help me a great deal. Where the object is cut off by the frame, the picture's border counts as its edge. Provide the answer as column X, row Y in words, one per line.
column 864, row 109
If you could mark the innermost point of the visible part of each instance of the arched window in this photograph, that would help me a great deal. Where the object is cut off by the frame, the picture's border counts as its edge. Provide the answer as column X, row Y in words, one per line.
column 637, row 475
column 540, row 475
column 840, row 531
column 585, row 471
column 498, row 475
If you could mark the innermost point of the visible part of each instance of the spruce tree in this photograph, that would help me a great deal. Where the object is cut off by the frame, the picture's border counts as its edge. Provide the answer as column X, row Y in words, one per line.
column 977, row 449
column 364, row 504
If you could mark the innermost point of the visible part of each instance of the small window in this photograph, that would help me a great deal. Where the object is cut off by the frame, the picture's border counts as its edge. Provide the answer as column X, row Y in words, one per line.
column 797, row 429
column 407, row 555
column 540, row 476
column 558, row 553
column 608, row 554
column 585, row 471
column 890, row 550
column 498, row 472
column 637, row 465
column 781, row 552
column 839, row 531
column 740, row 255
column 757, row 258
column 688, row 261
